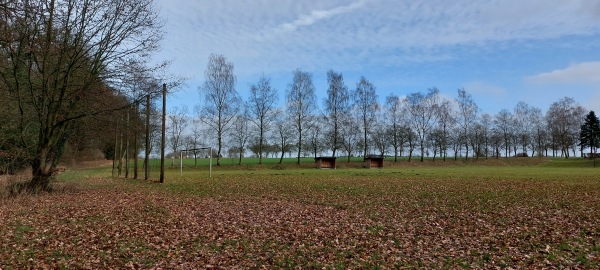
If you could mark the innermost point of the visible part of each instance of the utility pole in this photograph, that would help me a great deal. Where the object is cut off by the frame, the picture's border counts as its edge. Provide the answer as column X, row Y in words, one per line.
column 135, row 140
column 127, row 143
column 162, row 141
column 147, row 154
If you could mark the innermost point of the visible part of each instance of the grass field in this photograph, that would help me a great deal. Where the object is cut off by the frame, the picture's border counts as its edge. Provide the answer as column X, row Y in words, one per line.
column 508, row 213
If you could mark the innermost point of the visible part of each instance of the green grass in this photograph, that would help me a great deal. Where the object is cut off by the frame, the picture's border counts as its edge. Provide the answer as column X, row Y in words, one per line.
column 351, row 178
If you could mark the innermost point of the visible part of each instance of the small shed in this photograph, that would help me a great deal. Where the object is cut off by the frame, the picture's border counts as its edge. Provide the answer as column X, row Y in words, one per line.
column 374, row 161
column 325, row 162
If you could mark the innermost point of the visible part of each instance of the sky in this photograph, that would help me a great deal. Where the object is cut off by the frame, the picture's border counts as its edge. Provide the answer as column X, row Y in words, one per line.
column 500, row 51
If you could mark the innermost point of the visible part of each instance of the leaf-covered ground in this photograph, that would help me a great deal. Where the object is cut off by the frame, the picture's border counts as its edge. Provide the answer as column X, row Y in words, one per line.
column 334, row 220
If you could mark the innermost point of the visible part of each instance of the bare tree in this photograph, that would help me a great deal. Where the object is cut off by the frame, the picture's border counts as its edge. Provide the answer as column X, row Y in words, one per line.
column 467, row 115
column 301, row 103
column 523, row 128
column 539, row 138
column 315, row 136
column 221, row 99
column 446, row 122
column 485, row 127
column 349, row 134
column 336, row 105
column 565, row 118
column 365, row 102
column 381, row 138
column 57, row 58
column 262, row 104
column 178, row 122
column 196, row 138
column 504, row 127
column 423, row 111
column 393, row 109
column 283, row 134
column 240, row 133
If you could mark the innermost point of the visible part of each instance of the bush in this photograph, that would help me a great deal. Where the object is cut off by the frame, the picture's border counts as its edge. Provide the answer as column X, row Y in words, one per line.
column 12, row 161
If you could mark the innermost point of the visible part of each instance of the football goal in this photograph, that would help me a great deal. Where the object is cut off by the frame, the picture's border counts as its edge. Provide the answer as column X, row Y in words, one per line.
column 195, row 152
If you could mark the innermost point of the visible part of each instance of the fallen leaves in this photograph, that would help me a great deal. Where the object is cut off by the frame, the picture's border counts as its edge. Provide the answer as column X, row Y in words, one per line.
column 451, row 224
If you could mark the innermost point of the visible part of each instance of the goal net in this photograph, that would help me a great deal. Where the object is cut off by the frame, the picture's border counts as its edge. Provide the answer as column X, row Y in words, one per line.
column 196, row 157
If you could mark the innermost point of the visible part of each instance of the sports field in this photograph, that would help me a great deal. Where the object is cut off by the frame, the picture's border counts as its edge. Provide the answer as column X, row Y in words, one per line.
column 509, row 213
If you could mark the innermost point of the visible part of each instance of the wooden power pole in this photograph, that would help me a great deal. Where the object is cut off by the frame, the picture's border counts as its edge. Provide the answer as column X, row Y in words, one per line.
column 162, row 141
column 147, row 154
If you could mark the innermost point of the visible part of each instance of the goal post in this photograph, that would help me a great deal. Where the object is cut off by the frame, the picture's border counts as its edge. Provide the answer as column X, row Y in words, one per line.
column 194, row 150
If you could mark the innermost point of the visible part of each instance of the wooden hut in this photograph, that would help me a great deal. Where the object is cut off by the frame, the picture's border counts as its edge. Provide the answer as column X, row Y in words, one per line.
column 325, row 162
column 373, row 161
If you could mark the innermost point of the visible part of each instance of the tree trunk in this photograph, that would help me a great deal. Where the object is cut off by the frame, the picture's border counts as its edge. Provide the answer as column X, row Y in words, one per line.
column 41, row 170
column 299, row 145
column 422, row 150
column 49, row 151
column 260, row 145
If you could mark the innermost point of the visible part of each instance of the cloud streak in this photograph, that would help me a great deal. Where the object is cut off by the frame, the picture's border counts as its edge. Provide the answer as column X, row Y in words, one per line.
column 318, row 15
column 580, row 73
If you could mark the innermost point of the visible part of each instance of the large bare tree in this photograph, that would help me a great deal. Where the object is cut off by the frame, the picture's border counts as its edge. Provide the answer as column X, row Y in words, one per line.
column 365, row 102
column 539, row 137
column 337, row 104
column 467, row 116
column 423, row 112
column 396, row 121
column 565, row 117
column 262, row 104
column 301, row 104
column 445, row 123
column 221, row 99
column 503, row 126
column 57, row 58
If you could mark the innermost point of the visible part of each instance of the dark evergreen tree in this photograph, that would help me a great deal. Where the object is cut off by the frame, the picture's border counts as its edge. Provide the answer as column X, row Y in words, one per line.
column 590, row 132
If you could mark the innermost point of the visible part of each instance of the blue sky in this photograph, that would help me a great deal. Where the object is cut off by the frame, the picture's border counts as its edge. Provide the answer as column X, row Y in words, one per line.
column 500, row 51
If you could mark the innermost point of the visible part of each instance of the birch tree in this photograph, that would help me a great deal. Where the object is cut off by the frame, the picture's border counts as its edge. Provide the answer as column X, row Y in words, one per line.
column 221, row 100
column 467, row 115
column 423, row 112
column 337, row 104
column 301, row 103
column 261, row 107
column 365, row 102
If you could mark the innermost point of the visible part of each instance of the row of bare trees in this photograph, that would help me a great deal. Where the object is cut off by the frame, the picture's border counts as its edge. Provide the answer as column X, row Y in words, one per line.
column 352, row 122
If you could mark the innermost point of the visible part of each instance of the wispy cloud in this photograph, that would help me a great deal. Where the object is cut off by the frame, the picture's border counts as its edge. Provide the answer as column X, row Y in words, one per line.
column 317, row 15
column 489, row 47
column 580, row 73
column 278, row 35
